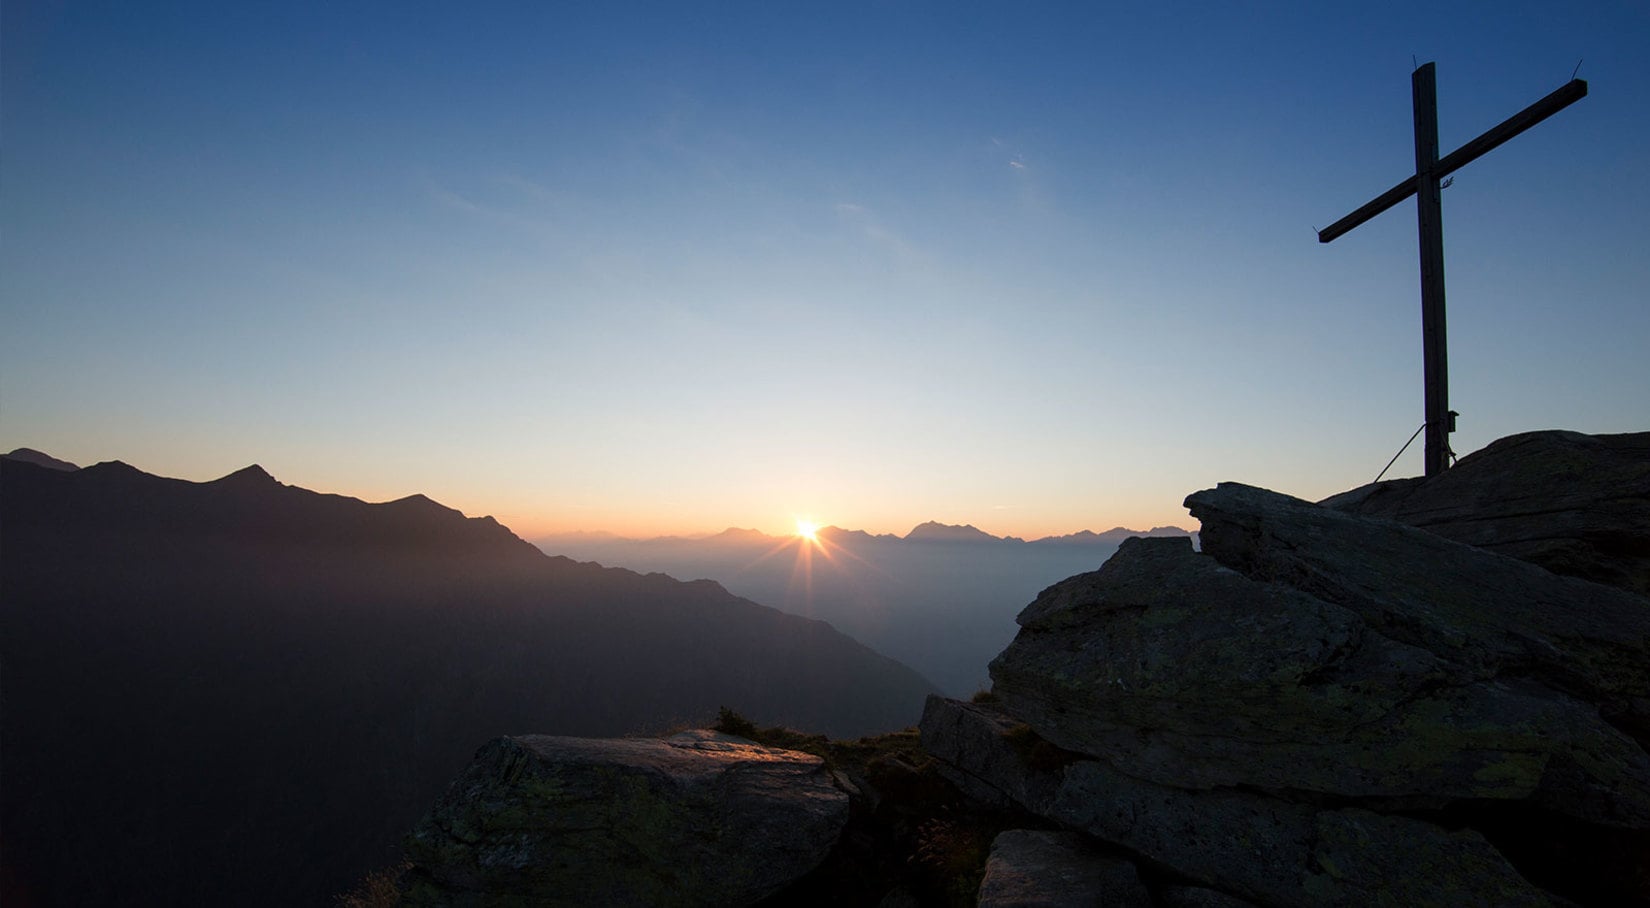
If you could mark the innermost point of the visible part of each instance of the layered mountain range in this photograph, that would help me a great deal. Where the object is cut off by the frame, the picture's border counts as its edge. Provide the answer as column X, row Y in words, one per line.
column 942, row 598
column 243, row 692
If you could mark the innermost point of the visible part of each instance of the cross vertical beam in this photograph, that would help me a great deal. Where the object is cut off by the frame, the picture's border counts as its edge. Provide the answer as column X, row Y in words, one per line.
column 1429, row 215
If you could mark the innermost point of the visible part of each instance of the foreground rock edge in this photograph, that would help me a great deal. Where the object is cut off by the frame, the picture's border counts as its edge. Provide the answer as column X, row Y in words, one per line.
column 700, row 818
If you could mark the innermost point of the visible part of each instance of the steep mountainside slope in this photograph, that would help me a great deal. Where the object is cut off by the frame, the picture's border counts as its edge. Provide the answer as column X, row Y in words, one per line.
column 241, row 692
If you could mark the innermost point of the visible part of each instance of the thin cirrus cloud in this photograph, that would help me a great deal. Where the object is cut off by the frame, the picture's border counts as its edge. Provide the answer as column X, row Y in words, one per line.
column 521, row 191
column 1016, row 159
column 458, row 202
column 872, row 228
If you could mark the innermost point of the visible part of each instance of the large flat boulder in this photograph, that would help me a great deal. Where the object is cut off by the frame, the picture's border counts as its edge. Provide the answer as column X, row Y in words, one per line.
column 1281, row 852
column 1496, row 616
column 1575, row 504
column 1180, row 671
column 700, row 818
column 1246, row 845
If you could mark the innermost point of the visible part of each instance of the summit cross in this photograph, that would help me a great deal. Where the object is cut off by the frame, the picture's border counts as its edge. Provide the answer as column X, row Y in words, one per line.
column 1425, row 185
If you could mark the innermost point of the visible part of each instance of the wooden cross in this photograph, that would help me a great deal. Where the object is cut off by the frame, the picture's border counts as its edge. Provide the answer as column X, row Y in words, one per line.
column 1424, row 185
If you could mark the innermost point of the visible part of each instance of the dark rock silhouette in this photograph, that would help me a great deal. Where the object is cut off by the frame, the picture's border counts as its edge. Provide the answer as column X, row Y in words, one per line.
column 1575, row 504
column 241, row 692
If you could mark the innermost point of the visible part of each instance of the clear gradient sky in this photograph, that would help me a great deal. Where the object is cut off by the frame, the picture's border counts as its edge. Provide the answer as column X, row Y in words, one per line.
column 676, row 267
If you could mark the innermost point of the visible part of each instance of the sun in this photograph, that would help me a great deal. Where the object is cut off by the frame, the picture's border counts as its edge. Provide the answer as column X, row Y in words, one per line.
column 808, row 530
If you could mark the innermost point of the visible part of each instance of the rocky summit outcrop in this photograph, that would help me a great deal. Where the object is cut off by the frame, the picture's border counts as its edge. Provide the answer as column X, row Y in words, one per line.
column 1575, row 504
column 700, row 818
column 1323, row 707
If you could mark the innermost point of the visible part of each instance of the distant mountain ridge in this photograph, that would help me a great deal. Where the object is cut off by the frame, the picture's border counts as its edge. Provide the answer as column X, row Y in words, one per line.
column 291, row 677
column 941, row 599
column 928, row 531
column 1112, row 536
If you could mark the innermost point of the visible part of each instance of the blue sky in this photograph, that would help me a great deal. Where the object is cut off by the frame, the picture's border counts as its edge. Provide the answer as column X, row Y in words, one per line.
column 652, row 268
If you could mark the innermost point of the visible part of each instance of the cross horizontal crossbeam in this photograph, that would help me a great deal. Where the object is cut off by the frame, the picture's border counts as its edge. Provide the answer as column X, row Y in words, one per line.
column 1568, row 94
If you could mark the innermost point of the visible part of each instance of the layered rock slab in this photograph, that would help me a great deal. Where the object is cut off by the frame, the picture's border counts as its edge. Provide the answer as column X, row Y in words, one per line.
column 1246, row 845
column 1575, row 504
column 1472, row 605
column 1180, row 671
column 1496, row 616
column 700, row 818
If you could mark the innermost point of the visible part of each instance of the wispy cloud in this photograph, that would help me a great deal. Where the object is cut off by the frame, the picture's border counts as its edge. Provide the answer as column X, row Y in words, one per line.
column 1016, row 159
column 456, row 201
column 529, row 188
column 507, row 210
column 872, row 228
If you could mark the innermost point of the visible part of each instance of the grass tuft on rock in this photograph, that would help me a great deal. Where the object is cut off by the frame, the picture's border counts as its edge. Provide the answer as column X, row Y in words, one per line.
column 730, row 722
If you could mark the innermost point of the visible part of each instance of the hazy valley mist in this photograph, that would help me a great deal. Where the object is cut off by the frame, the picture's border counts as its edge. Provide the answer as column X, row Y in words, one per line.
column 941, row 599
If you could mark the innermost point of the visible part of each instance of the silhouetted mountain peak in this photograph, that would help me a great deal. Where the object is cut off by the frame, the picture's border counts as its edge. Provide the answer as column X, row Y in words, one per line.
column 418, row 501
column 426, row 510
column 113, row 470
column 41, row 459
column 252, row 477
column 933, row 531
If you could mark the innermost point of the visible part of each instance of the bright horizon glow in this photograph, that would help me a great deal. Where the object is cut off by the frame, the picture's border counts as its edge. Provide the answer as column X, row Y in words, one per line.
column 808, row 530
column 656, row 269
